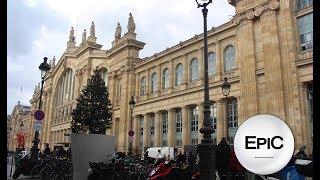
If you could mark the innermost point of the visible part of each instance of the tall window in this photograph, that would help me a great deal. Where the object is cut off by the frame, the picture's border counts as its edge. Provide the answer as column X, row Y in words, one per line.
column 165, row 81
column 143, row 86
column 211, row 64
column 141, row 126
column 229, row 58
column 194, row 70
column 232, row 116
column 165, row 123
column 152, row 124
column 104, row 75
column 154, row 87
column 178, row 121
column 178, row 128
column 213, row 117
column 303, row 4
column 305, row 26
column 194, row 119
column 179, row 74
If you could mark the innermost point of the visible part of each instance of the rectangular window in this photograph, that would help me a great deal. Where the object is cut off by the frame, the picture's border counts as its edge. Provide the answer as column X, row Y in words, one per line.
column 152, row 125
column 194, row 141
column 164, row 143
column 179, row 143
column 232, row 114
column 178, row 121
column 152, row 144
column 303, row 4
column 194, row 119
column 141, row 126
column 305, row 26
column 164, row 123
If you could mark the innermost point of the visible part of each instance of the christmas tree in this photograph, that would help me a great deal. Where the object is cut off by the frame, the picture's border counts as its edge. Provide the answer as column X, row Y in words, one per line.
column 93, row 113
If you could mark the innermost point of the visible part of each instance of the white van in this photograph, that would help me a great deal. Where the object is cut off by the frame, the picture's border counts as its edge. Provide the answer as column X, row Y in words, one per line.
column 164, row 152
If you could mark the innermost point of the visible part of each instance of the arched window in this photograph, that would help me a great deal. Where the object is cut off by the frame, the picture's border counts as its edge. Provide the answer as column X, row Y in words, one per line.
column 229, row 58
column 65, row 88
column 165, row 79
column 194, row 70
column 179, row 74
column 143, row 86
column 211, row 64
column 104, row 75
column 303, row 4
column 154, row 87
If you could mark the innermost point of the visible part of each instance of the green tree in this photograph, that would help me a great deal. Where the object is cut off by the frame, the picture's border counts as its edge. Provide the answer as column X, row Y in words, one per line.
column 93, row 113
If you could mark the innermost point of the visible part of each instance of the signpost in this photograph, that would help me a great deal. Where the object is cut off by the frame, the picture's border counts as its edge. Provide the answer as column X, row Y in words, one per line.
column 37, row 125
column 39, row 115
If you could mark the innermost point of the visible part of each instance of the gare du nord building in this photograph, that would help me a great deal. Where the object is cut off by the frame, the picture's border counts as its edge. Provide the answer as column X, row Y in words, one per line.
column 265, row 51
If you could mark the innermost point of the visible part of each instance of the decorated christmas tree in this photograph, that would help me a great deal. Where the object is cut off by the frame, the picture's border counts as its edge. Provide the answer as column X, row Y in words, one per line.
column 93, row 113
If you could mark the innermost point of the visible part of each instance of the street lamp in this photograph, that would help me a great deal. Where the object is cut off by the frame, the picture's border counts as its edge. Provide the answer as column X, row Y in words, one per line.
column 206, row 148
column 225, row 87
column 131, row 105
column 44, row 68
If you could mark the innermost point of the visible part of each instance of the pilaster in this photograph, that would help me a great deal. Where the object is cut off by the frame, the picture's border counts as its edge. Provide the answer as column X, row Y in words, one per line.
column 171, row 127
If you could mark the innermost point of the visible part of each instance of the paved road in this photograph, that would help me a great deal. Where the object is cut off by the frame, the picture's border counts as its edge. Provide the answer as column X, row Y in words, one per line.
column 9, row 160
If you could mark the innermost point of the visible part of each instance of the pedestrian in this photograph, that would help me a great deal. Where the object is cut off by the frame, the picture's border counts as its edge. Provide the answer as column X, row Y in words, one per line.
column 179, row 159
column 47, row 150
column 222, row 158
column 302, row 154
column 237, row 171
column 191, row 159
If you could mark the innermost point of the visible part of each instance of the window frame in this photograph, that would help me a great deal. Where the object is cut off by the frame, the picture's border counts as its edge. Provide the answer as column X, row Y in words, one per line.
column 228, row 59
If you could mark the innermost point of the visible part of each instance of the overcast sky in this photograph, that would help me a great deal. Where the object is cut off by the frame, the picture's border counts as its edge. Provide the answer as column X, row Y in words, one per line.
column 39, row 28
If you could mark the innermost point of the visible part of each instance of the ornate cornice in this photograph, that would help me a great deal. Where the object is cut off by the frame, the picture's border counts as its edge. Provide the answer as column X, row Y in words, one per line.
column 262, row 10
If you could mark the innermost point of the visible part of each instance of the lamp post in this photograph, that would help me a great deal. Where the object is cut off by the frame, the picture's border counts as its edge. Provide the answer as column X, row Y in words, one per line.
column 206, row 148
column 44, row 68
column 225, row 87
column 131, row 105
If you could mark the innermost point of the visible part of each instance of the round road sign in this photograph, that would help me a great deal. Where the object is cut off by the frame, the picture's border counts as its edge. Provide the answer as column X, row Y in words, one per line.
column 131, row 133
column 39, row 115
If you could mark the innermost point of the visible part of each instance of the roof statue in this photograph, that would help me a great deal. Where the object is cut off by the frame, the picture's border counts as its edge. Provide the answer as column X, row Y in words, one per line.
column 131, row 25
column 117, row 34
column 54, row 61
column 84, row 36
column 93, row 29
column 71, row 35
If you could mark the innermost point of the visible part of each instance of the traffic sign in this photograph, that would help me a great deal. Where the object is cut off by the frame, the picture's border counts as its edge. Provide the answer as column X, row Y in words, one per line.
column 39, row 115
column 37, row 126
column 131, row 133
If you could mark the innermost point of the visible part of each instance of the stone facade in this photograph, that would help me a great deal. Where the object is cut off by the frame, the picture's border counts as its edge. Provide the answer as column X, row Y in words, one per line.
column 270, row 74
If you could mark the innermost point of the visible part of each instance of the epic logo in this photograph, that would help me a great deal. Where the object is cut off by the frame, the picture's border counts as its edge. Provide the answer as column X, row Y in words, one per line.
column 262, row 141
column 264, row 144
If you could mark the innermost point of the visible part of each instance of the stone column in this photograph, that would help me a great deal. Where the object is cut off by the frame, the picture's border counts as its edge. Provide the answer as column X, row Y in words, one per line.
column 221, row 121
column 136, row 143
column 157, row 128
column 219, row 60
column 146, row 130
column 137, row 85
column 247, row 62
column 274, row 97
column 171, row 127
column 200, row 121
column 185, row 70
column 185, row 126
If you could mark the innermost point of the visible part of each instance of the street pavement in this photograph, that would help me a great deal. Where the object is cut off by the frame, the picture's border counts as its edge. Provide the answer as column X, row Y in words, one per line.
column 9, row 162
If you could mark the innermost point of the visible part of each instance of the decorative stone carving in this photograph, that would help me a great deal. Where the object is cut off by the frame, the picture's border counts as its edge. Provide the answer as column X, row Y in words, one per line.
column 250, row 14
column 273, row 5
column 71, row 35
column 84, row 36
column 93, row 30
column 117, row 34
column 53, row 61
column 131, row 25
column 257, row 11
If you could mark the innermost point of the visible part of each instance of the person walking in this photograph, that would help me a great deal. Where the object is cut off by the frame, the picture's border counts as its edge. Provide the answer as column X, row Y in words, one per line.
column 222, row 158
column 237, row 171
column 47, row 151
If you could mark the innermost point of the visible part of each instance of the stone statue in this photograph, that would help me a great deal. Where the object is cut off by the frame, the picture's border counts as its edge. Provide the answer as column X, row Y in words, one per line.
column 117, row 34
column 54, row 61
column 131, row 25
column 84, row 36
column 71, row 35
column 92, row 30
